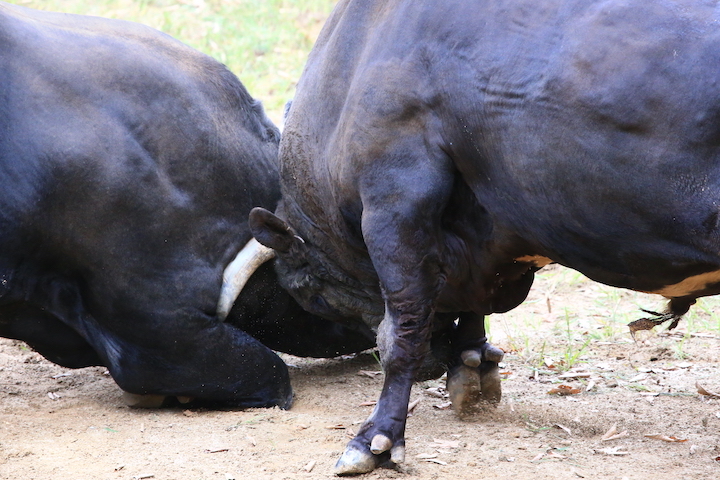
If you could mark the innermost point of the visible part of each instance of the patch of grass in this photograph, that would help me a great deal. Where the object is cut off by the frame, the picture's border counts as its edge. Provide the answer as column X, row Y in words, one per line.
column 566, row 314
column 264, row 42
column 572, row 352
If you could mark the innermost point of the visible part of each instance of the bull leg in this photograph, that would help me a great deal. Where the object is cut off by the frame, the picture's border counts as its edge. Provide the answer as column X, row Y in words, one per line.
column 47, row 335
column 218, row 365
column 189, row 356
column 403, row 341
column 402, row 230
column 473, row 376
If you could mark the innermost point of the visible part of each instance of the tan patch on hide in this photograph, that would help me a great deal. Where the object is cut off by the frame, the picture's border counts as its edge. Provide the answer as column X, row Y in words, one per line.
column 537, row 260
column 690, row 285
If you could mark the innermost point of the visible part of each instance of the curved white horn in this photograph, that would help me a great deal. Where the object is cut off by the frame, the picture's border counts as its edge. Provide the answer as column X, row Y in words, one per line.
column 239, row 271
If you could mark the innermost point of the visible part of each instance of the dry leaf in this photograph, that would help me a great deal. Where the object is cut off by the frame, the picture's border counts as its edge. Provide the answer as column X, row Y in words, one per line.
column 563, row 428
column 622, row 434
column 613, row 434
column 612, row 431
column 564, row 390
column 612, row 451
column 411, row 407
column 707, row 393
column 435, row 392
column 639, row 377
column 426, row 456
column 336, row 427
column 577, row 374
column 217, row 450
column 445, row 443
column 435, row 460
column 369, row 404
column 556, row 455
column 666, row 438
column 311, row 464
column 443, row 406
column 370, row 373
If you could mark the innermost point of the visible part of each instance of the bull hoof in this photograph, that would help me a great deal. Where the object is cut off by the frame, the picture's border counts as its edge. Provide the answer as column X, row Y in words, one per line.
column 355, row 461
column 143, row 401
column 491, row 353
column 464, row 388
column 471, row 358
column 490, row 382
column 468, row 387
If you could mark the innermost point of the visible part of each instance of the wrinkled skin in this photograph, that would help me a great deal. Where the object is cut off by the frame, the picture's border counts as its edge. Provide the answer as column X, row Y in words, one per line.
column 436, row 154
column 129, row 163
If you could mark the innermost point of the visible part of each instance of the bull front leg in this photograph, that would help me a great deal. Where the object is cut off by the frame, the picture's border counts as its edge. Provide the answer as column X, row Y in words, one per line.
column 403, row 199
column 403, row 341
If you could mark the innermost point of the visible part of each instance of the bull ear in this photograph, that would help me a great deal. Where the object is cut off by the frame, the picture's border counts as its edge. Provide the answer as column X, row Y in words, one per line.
column 271, row 230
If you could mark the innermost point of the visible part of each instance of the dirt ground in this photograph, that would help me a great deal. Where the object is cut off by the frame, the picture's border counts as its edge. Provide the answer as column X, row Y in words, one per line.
column 73, row 425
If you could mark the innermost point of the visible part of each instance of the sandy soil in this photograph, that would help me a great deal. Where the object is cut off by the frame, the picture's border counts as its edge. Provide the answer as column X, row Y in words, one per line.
column 72, row 424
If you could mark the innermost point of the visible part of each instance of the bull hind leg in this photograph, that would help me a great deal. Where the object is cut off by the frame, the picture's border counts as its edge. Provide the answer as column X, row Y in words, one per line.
column 473, row 376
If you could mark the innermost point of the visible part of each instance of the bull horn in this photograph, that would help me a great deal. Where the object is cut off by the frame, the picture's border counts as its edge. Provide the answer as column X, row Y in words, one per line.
column 239, row 271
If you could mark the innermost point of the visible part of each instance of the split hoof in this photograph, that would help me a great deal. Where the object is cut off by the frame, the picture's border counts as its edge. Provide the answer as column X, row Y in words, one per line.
column 134, row 400
column 355, row 461
column 469, row 387
column 380, row 444
column 490, row 383
column 471, row 358
column 491, row 353
column 464, row 388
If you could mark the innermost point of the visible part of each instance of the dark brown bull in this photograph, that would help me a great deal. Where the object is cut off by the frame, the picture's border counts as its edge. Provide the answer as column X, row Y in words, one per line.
column 439, row 152
column 128, row 164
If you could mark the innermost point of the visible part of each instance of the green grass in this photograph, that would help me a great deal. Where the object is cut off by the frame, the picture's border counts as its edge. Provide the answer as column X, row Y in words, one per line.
column 264, row 42
column 567, row 315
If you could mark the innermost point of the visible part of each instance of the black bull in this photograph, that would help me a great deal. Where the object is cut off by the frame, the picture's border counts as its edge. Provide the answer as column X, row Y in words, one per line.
column 128, row 165
column 438, row 152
